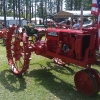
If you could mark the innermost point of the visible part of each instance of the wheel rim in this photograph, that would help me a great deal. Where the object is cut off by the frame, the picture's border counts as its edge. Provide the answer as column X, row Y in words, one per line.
column 85, row 83
column 17, row 52
column 58, row 61
column 33, row 38
column 96, row 75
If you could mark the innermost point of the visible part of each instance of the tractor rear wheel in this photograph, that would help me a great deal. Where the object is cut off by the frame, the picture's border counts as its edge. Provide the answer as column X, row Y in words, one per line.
column 17, row 51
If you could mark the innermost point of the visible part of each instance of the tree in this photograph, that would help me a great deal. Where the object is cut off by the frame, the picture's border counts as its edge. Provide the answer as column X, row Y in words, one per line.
column 42, row 10
column 30, row 10
column 4, row 7
column 26, row 8
column 19, row 11
column 1, row 7
column 14, row 9
column 76, row 4
column 58, row 6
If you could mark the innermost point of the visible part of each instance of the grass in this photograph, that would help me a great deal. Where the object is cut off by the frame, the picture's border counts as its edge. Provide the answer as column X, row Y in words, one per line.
column 43, row 81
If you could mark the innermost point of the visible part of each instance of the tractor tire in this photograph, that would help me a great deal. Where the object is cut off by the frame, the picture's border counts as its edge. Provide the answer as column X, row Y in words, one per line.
column 18, row 53
column 34, row 38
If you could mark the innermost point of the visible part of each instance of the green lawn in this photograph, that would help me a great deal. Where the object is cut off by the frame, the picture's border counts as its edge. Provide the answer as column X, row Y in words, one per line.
column 43, row 81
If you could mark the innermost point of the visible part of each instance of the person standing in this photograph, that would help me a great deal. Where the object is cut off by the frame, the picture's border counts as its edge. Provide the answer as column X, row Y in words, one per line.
column 77, row 25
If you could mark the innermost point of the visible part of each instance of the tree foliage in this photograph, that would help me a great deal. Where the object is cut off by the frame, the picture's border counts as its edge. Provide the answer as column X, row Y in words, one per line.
column 76, row 4
column 43, row 7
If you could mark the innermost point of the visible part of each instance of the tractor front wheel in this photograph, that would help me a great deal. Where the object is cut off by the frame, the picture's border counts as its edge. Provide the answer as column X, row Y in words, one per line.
column 18, row 53
column 85, row 82
column 96, row 75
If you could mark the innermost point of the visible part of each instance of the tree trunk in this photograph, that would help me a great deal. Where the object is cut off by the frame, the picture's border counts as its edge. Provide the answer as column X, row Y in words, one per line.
column 14, row 9
column 19, row 11
column 58, row 6
column 26, row 9
column 4, row 7
column 35, row 11
column 71, row 4
column 32, row 8
column 30, row 11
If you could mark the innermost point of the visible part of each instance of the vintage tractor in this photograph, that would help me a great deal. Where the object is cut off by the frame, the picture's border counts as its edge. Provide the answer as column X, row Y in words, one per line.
column 64, row 46
column 35, row 32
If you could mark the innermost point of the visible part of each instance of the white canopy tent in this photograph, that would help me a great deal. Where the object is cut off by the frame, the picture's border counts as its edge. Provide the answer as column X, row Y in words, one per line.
column 37, row 20
column 78, row 13
column 10, row 18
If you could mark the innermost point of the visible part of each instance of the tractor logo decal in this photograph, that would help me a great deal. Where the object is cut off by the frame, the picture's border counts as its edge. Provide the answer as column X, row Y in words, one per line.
column 53, row 34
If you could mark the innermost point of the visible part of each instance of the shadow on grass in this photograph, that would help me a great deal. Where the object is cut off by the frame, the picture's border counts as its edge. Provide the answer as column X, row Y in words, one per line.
column 60, row 69
column 57, row 68
column 61, row 89
column 43, row 76
column 12, row 82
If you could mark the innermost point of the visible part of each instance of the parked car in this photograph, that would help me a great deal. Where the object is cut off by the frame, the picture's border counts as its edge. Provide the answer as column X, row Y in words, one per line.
column 87, row 24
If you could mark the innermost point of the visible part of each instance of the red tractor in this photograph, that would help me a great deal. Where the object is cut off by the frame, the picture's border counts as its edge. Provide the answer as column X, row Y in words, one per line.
column 65, row 46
